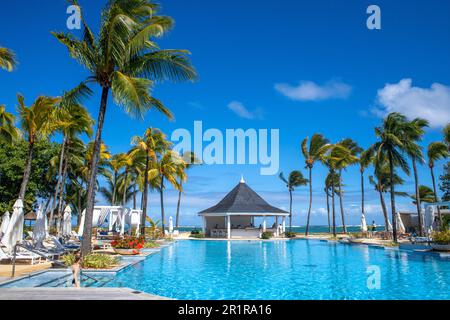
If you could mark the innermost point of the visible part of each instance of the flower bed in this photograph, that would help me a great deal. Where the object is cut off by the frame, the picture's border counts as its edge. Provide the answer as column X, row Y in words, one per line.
column 128, row 245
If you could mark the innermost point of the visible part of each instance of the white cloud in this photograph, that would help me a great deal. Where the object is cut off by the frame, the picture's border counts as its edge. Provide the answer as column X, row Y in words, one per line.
column 311, row 91
column 432, row 104
column 238, row 108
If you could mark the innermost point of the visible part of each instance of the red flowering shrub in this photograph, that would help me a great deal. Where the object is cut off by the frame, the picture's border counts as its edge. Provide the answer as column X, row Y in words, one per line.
column 129, row 242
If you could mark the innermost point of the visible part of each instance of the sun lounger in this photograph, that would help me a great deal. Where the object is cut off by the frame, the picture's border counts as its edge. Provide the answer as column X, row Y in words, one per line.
column 21, row 255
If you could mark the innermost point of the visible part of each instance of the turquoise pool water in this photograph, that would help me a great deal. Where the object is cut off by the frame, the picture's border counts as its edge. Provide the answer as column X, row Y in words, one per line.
column 298, row 269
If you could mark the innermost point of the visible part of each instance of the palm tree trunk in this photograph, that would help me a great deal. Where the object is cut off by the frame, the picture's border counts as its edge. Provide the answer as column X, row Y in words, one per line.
column 124, row 197
column 26, row 172
column 332, row 204
column 328, row 210
column 144, row 196
column 161, row 194
column 290, row 210
column 341, row 202
column 418, row 205
column 310, row 201
column 384, row 209
column 134, row 196
column 61, row 194
column 114, row 189
column 362, row 193
column 87, row 231
column 394, row 221
column 177, row 222
column 441, row 222
column 58, row 183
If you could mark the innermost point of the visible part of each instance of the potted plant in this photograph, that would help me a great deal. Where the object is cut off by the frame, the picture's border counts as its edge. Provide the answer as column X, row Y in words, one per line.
column 128, row 245
column 441, row 240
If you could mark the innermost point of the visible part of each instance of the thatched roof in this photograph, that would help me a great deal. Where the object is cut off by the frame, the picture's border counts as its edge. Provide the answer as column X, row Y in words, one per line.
column 242, row 199
column 30, row 216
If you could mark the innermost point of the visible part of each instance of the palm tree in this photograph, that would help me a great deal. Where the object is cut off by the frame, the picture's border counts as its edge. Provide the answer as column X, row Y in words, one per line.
column 119, row 187
column 415, row 131
column 8, row 131
column 365, row 159
column 37, row 123
column 382, row 184
column 294, row 180
column 189, row 159
column 74, row 120
column 435, row 152
column 125, row 60
column 117, row 162
column 392, row 135
column 345, row 159
column 7, row 59
column 426, row 194
column 150, row 145
column 171, row 167
column 447, row 135
column 317, row 147
column 331, row 159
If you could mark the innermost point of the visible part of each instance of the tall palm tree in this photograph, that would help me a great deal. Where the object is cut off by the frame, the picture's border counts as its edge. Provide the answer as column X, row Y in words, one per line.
column 294, row 180
column 8, row 131
column 150, row 145
column 435, row 152
column 74, row 120
column 392, row 135
column 37, row 123
column 125, row 60
column 347, row 158
column 117, row 162
column 189, row 159
column 316, row 149
column 171, row 167
column 7, row 59
column 415, row 131
column 447, row 135
column 381, row 181
column 365, row 159
column 331, row 159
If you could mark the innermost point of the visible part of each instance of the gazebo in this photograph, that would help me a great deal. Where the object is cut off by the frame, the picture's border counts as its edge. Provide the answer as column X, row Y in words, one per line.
column 234, row 216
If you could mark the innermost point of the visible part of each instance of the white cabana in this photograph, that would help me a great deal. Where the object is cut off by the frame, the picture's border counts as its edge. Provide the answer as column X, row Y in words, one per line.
column 400, row 225
column 14, row 232
column 430, row 216
column 5, row 221
column 363, row 223
column 67, row 222
column 39, row 228
column 170, row 225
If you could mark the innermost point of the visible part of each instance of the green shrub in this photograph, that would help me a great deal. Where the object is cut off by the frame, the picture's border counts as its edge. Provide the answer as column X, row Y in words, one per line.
column 442, row 237
column 92, row 261
column 151, row 244
column 266, row 235
column 195, row 232
column 290, row 234
column 199, row 235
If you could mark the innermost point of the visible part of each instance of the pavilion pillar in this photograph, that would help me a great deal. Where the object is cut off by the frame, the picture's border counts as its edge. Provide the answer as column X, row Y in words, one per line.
column 228, row 227
column 277, row 229
column 203, row 224
column 284, row 225
column 264, row 224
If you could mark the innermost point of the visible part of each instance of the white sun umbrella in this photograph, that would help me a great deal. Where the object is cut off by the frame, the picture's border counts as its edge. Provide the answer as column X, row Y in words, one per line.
column 14, row 232
column 389, row 227
column 39, row 230
column 363, row 223
column 170, row 225
column 400, row 225
column 81, row 227
column 5, row 222
column 67, row 222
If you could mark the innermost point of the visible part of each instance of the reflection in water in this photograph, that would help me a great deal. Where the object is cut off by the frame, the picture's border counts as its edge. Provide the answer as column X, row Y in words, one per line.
column 228, row 256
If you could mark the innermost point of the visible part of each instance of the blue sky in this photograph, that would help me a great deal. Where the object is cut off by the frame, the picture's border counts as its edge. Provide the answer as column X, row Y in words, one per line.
column 298, row 66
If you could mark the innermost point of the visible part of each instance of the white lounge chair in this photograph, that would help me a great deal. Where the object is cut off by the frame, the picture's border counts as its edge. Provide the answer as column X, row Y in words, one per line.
column 21, row 255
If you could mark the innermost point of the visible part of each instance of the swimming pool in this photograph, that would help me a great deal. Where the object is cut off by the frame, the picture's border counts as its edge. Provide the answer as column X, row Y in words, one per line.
column 299, row 269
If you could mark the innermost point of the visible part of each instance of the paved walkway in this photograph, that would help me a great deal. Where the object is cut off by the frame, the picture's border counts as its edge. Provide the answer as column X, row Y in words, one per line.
column 22, row 269
column 75, row 294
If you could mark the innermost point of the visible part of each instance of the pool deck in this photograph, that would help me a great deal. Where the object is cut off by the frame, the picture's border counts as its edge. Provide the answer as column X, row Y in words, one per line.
column 76, row 294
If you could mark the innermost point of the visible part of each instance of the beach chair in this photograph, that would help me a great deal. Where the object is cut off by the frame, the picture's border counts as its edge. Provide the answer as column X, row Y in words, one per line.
column 175, row 233
column 20, row 256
